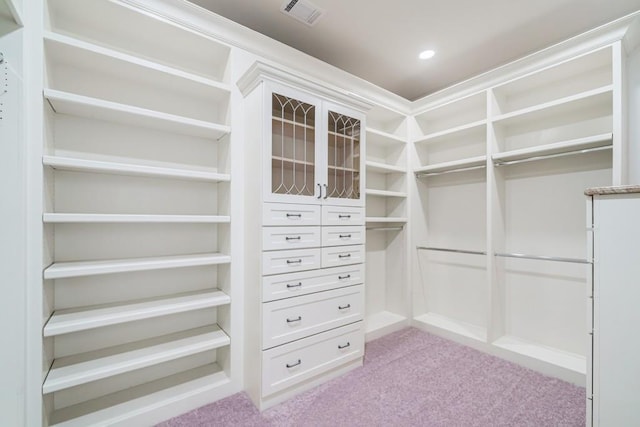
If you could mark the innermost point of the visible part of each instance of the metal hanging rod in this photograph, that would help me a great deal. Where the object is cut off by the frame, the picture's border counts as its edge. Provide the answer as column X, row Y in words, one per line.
column 423, row 174
column 459, row 251
column 498, row 162
column 384, row 228
column 545, row 258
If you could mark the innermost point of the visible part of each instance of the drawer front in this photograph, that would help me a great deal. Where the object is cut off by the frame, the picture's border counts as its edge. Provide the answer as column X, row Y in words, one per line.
column 290, row 364
column 340, row 236
column 306, row 282
column 279, row 262
column 290, row 214
column 342, row 255
column 282, row 238
column 342, row 215
column 290, row 319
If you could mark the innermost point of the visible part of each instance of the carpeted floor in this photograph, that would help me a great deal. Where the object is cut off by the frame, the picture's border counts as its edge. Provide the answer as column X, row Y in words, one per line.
column 412, row 378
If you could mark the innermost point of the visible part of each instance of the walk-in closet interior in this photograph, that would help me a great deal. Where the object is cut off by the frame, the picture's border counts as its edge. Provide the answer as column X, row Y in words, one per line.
column 195, row 210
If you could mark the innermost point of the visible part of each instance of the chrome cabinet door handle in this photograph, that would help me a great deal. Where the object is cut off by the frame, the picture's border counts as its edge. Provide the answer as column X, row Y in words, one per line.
column 319, row 191
column 326, row 191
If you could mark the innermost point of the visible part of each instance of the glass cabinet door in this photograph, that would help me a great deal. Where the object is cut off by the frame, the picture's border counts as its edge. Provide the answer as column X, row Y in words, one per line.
column 294, row 151
column 344, row 180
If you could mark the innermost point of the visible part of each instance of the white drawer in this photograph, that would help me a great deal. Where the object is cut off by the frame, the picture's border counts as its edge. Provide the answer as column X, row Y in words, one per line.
column 306, row 282
column 340, row 236
column 290, row 319
column 342, row 215
column 278, row 238
column 342, row 255
column 290, row 364
column 278, row 262
column 289, row 214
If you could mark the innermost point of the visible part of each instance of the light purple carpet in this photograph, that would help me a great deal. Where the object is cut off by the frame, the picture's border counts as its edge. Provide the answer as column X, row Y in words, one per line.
column 412, row 378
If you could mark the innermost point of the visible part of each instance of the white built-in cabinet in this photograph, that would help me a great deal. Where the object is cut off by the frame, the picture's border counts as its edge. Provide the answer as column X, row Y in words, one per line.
column 305, row 252
column 387, row 208
column 499, row 259
column 613, row 389
column 137, row 212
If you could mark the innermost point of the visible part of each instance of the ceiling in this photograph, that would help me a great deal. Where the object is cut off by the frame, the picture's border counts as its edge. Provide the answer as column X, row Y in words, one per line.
column 379, row 40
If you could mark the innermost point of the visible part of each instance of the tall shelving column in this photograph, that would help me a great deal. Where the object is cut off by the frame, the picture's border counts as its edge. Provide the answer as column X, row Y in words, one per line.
column 387, row 291
column 551, row 135
column 450, row 295
column 138, row 278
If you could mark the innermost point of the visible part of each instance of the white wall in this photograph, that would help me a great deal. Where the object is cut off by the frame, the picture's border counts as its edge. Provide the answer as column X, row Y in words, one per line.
column 633, row 116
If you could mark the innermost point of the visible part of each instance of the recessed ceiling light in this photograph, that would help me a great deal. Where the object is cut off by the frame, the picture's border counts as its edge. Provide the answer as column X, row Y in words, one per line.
column 426, row 54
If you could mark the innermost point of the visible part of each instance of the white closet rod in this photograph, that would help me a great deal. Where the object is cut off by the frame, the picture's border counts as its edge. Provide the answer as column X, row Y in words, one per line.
column 384, row 228
column 544, row 258
column 459, row 251
column 498, row 162
column 470, row 168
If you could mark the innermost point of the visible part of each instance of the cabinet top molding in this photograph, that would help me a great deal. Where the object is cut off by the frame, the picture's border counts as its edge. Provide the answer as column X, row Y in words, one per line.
column 618, row 189
column 261, row 71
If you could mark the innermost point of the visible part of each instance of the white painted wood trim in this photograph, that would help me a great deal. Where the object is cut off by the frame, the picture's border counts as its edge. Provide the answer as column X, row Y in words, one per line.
column 76, row 218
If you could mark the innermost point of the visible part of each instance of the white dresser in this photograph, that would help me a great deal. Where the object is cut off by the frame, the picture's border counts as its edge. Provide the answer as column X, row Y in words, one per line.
column 613, row 372
column 305, row 235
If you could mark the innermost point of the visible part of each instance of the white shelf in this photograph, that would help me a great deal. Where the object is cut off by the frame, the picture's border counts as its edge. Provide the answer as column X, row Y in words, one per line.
column 342, row 168
column 385, row 193
column 453, row 166
column 146, row 398
column 84, row 106
column 289, row 161
column 80, row 369
column 571, row 361
column 116, row 168
column 574, row 145
column 383, row 168
column 581, row 101
column 61, row 270
column 452, row 131
column 76, row 218
column 293, row 123
column 385, row 219
column 384, row 320
column 457, row 327
column 74, row 320
column 69, row 50
column 378, row 136
column 340, row 135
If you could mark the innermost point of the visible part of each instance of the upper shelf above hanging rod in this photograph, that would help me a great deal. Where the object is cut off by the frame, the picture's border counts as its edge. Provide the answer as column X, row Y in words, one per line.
column 423, row 174
column 384, row 228
column 459, row 251
column 544, row 258
column 505, row 162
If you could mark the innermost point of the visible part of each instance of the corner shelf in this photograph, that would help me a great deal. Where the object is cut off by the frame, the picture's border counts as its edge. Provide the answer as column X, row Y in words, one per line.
column 84, row 106
column 467, row 127
column 142, row 399
column 80, row 369
column 84, row 218
column 130, row 169
column 558, row 148
column 383, row 168
column 74, row 320
column 453, row 166
column 385, row 193
column 376, row 136
column 59, row 270
column 385, row 219
column 457, row 327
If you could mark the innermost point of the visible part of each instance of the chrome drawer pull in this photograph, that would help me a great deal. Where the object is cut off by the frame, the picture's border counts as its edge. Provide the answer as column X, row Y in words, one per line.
column 344, row 256
column 298, row 261
column 344, row 307
column 292, row 238
column 348, row 344
column 290, row 215
column 291, row 365
column 348, row 276
column 344, row 216
column 345, row 236
column 297, row 319
column 295, row 285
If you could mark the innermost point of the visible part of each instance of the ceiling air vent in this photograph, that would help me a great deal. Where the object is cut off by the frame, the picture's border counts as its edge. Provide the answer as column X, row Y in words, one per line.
column 302, row 10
